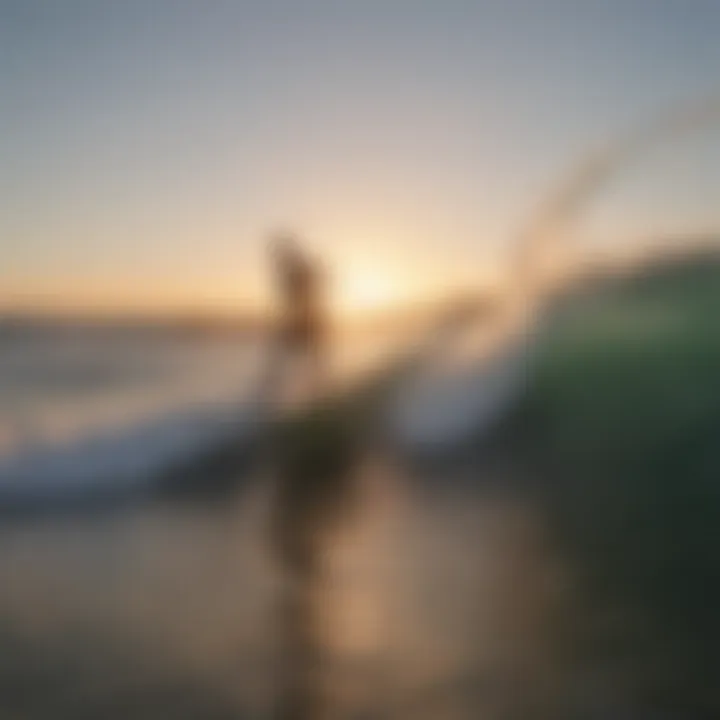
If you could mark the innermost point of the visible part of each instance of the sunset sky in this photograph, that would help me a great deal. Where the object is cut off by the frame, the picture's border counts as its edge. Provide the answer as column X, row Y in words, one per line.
column 148, row 146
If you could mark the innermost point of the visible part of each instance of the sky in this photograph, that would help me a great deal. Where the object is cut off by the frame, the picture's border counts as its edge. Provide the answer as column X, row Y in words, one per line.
column 149, row 146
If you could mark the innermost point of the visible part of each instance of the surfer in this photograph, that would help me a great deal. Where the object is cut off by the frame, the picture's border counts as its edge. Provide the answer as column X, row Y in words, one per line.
column 299, row 340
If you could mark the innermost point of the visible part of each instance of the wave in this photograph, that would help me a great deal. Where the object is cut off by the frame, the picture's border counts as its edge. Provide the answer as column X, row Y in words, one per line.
column 122, row 460
column 94, row 417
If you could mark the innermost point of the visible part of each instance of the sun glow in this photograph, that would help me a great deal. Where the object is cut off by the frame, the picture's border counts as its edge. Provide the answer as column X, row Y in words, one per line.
column 367, row 290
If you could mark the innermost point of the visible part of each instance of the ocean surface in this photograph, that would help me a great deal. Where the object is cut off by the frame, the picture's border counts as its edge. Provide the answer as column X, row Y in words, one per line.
column 440, row 596
column 82, row 406
column 439, row 591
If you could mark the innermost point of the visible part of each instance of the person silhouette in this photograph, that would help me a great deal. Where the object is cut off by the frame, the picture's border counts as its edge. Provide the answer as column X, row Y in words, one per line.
column 300, row 334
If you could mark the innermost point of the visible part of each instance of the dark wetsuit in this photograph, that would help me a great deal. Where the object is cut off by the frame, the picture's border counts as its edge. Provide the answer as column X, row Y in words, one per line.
column 302, row 318
column 298, row 349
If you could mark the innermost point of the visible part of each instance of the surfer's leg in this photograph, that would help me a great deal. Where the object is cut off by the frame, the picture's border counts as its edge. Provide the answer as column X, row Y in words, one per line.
column 277, row 363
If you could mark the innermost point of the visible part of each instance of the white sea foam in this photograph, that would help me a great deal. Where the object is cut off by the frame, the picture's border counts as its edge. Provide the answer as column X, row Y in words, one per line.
column 109, row 410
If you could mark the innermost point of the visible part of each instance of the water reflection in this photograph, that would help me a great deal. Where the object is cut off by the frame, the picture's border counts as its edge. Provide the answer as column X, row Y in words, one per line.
column 393, row 597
